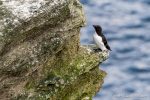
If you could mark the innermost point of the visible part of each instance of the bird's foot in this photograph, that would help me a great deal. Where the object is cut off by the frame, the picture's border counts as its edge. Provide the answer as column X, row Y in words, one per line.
column 105, row 50
column 97, row 50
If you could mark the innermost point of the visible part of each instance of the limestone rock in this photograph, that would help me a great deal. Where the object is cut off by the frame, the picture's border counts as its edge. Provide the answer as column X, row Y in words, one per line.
column 40, row 54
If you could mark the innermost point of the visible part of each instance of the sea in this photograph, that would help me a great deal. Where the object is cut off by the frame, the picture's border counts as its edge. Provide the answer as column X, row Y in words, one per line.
column 126, row 25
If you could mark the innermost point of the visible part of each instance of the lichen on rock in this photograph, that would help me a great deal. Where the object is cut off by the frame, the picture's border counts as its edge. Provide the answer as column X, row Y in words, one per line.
column 40, row 54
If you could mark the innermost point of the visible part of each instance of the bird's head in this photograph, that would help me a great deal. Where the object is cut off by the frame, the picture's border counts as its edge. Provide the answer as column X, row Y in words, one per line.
column 98, row 28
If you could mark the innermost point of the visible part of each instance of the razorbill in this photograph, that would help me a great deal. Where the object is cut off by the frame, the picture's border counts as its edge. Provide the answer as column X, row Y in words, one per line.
column 100, row 40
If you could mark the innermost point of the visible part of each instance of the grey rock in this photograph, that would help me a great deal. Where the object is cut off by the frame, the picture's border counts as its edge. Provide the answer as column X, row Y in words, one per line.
column 40, row 54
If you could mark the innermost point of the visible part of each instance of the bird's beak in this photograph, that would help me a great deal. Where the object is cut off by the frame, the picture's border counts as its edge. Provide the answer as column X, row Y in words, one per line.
column 94, row 26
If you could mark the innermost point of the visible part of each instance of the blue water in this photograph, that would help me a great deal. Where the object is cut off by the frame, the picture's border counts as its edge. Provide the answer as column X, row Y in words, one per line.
column 126, row 24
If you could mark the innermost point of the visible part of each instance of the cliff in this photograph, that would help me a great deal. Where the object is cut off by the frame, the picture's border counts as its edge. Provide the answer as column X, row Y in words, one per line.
column 40, row 53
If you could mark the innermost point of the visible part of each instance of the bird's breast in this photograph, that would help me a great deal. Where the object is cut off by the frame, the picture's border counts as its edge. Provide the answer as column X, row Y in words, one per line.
column 97, row 38
column 98, row 41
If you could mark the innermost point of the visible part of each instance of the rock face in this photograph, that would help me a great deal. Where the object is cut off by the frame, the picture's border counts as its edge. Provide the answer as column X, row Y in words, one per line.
column 40, row 54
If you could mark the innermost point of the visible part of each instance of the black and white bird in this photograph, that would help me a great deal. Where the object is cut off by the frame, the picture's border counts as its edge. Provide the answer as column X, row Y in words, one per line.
column 100, row 40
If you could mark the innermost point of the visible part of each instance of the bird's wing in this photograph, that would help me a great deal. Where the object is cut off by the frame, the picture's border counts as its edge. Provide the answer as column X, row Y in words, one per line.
column 108, row 47
column 105, row 42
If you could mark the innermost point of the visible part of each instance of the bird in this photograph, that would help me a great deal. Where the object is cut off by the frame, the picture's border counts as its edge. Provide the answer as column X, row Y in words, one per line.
column 100, row 40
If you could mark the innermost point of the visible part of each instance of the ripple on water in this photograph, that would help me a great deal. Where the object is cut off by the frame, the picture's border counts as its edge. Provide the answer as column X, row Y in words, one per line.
column 135, row 70
column 145, row 19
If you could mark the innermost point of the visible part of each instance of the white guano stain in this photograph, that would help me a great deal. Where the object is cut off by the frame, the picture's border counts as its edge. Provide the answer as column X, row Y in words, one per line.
column 23, row 9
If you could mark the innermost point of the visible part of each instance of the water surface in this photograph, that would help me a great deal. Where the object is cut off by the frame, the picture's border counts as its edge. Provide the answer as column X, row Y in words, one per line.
column 126, row 24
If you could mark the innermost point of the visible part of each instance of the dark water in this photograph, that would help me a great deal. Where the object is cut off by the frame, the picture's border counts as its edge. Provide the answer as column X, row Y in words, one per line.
column 126, row 24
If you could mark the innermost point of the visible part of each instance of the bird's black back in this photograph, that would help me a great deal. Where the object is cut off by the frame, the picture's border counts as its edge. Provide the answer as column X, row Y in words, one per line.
column 98, row 30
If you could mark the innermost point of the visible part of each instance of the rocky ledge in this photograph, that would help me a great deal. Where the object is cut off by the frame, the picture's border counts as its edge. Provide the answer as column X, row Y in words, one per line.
column 40, row 53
